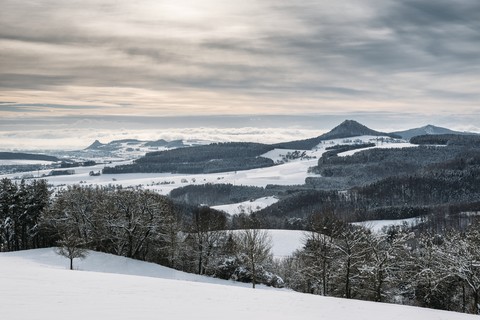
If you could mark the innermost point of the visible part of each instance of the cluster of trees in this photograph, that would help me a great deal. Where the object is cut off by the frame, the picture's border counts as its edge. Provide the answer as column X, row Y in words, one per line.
column 439, row 271
column 243, row 255
column 371, row 165
column 216, row 157
column 72, row 164
column 21, row 207
column 447, row 139
column 207, row 152
column 27, row 156
column 137, row 224
column 129, row 223
column 227, row 193
column 15, row 168
column 294, row 155
column 217, row 194
column 394, row 198
column 207, row 166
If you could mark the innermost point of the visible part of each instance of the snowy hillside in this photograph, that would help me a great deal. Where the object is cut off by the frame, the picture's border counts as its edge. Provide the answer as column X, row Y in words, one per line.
column 108, row 263
column 378, row 225
column 285, row 242
column 36, row 285
column 247, row 207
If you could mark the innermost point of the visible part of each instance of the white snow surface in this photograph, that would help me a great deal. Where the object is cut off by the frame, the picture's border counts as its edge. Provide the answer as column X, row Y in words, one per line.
column 379, row 146
column 378, row 225
column 247, row 207
column 285, row 242
column 16, row 162
column 36, row 285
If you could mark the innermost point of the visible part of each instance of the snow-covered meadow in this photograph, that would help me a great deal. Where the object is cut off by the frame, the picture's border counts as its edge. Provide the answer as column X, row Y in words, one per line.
column 37, row 285
column 378, row 225
column 247, row 207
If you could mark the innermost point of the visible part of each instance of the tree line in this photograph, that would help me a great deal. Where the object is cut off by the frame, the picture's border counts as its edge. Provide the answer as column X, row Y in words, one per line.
column 217, row 194
column 400, row 265
column 138, row 224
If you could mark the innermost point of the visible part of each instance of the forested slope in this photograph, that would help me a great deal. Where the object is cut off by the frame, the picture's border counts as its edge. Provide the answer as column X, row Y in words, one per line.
column 386, row 184
column 217, row 157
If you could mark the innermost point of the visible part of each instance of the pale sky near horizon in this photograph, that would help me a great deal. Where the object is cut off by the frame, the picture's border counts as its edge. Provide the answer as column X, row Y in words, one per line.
column 96, row 59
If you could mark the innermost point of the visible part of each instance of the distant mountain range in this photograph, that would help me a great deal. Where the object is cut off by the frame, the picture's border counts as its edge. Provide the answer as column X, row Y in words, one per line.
column 125, row 143
column 427, row 130
column 134, row 148
column 347, row 129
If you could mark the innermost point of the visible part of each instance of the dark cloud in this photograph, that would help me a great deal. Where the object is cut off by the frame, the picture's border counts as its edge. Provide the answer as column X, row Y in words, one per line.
column 424, row 13
column 445, row 34
column 33, row 81
column 378, row 50
column 35, row 107
column 418, row 35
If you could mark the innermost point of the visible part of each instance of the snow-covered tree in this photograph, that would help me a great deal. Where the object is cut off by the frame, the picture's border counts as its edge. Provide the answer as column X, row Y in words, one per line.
column 319, row 252
column 254, row 246
column 318, row 255
column 207, row 232
column 386, row 257
column 351, row 251
column 461, row 259
column 21, row 206
column 430, row 277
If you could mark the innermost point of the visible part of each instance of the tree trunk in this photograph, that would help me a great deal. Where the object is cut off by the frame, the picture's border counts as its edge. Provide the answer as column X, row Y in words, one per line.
column 130, row 246
column 324, row 277
column 347, row 280
column 475, row 298
column 200, row 257
column 71, row 263
column 378, row 291
column 254, row 275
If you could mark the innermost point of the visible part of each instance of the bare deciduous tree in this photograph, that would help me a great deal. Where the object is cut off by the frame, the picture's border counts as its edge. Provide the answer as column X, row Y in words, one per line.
column 255, row 245
column 71, row 247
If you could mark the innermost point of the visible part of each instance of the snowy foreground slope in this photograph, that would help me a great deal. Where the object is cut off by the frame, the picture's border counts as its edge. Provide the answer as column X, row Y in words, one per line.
column 36, row 285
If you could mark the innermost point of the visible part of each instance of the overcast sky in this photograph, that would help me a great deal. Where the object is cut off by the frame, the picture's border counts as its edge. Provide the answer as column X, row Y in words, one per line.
column 91, row 59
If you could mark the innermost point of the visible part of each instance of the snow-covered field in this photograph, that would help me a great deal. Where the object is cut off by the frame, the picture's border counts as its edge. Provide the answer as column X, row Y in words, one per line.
column 378, row 225
column 247, row 207
column 36, row 285
column 4, row 162
column 292, row 173
column 285, row 242
column 379, row 146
